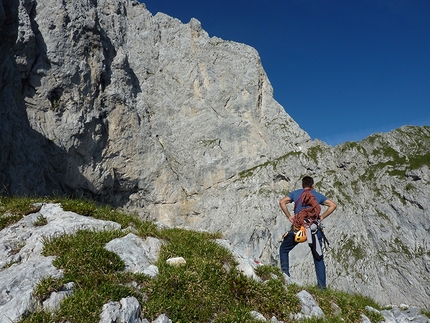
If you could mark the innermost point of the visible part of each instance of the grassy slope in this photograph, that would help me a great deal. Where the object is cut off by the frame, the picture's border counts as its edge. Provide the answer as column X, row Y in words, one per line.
column 206, row 289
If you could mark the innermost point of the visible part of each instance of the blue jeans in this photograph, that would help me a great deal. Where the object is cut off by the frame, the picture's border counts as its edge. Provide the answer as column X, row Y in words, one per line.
column 288, row 244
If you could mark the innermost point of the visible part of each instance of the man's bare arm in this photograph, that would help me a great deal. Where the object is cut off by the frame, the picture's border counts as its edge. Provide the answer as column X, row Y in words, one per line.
column 331, row 206
column 283, row 204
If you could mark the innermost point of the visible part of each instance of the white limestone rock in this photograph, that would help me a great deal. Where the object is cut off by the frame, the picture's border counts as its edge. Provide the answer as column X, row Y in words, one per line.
column 17, row 283
column 138, row 255
column 176, row 261
column 162, row 319
column 404, row 314
column 245, row 265
column 127, row 310
column 258, row 316
column 309, row 307
column 52, row 304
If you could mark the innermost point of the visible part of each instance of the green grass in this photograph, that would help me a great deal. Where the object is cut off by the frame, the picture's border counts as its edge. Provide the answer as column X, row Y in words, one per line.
column 426, row 313
column 273, row 163
column 349, row 250
column 348, row 304
column 41, row 220
column 418, row 161
column 208, row 288
column 13, row 209
column 92, row 268
column 314, row 152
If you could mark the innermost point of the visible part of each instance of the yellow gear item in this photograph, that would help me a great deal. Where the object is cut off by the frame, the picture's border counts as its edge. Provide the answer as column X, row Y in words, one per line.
column 300, row 235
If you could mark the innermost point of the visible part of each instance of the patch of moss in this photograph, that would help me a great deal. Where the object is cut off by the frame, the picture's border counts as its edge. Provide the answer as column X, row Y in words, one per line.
column 249, row 172
column 382, row 215
column 400, row 246
column 416, row 162
column 349, row 249
column 313, row 153
column 373, row 138
column 409, row 187
column 346, row 199
column 349, row 145
column 273, row 163
column 210, row 143
column 400, row 197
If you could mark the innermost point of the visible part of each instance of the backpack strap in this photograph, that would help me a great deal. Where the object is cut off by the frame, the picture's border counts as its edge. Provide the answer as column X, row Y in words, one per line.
column 324, row 238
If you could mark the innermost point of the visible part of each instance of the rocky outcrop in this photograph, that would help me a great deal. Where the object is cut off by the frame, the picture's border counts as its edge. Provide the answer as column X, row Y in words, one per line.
column 104, row 100
column 22, row 263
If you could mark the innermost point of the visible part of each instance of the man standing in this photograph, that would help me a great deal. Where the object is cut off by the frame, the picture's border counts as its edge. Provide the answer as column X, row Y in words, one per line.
column 300, row 209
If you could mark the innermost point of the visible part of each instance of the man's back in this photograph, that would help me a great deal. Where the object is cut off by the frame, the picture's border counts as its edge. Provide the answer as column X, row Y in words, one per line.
column 295, row 197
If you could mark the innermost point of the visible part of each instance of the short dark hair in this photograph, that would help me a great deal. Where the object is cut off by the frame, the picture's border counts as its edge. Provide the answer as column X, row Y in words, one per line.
column 307, row 181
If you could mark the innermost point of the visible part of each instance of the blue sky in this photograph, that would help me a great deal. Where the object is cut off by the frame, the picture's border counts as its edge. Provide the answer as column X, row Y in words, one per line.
column 343, row 69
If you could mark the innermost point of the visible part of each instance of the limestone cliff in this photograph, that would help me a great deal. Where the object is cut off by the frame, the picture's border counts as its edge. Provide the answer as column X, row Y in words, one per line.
column 103, row 99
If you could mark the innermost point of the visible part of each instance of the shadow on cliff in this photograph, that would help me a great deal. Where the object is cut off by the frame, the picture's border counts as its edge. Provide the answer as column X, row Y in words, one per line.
column 30, row 163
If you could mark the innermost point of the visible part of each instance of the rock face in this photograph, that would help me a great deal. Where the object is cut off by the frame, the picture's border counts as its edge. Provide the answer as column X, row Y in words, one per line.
column 105, row 100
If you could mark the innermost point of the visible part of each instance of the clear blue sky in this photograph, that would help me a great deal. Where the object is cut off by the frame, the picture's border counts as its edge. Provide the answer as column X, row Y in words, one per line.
column 343, row 69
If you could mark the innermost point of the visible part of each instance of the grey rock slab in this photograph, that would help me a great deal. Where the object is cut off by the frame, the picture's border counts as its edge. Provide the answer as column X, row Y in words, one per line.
column 245, row 265
column 17, row 284
column 53, row 303
column 139, row 255
column 309, row 306
column 127, row 310
column 404, row 315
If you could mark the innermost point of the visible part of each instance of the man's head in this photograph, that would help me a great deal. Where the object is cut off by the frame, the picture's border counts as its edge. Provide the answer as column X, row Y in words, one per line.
column 307, row 182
